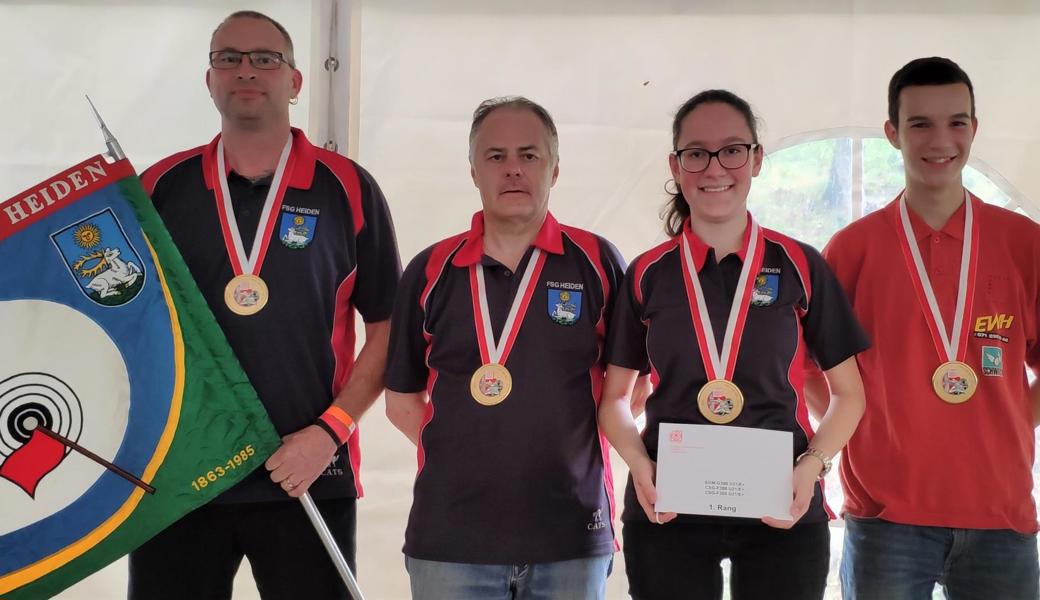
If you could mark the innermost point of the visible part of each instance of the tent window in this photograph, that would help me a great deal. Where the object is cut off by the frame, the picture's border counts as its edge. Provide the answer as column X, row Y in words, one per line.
column 812, row 188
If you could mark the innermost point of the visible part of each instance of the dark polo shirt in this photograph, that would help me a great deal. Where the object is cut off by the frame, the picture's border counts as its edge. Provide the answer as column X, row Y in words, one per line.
column 799, row 310
column 332, row 249
column 524, row 481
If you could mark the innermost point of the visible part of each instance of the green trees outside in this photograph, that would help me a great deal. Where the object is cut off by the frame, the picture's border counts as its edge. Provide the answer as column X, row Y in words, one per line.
column 806, row 191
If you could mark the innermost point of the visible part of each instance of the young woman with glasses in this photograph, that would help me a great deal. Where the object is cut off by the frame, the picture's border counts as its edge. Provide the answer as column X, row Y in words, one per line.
column 724, row 315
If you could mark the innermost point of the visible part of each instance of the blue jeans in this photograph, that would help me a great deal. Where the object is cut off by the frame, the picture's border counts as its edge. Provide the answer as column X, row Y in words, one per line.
column 579, row 579
column 890, row 561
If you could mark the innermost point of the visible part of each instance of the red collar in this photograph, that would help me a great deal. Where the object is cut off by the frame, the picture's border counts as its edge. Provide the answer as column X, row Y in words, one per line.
column 549, row 239
column 699, row 249
column 954, row 226
column 300, row 168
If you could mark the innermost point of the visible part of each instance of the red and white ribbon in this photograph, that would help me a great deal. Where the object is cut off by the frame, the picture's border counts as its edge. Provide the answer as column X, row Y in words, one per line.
column 490, row 352
column 721, row 364
column 244, row 263
column 949, row 343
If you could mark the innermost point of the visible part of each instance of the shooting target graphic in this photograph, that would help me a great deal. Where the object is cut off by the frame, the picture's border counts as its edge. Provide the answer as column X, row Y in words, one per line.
column 70, row 378
column 91, row 376
column 31, row 400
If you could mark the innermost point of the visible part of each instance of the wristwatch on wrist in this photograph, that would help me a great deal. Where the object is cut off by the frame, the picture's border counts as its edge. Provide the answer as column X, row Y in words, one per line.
column 815, row 453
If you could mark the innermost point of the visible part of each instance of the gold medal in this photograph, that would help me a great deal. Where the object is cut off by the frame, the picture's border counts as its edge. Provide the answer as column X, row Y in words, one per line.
column 246, row 295
column 720, row 401
column 955, row 382
column 491, row 384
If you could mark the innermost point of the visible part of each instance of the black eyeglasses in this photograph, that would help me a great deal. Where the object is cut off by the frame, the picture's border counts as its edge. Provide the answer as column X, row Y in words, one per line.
column 267, row 60
column 733, row 156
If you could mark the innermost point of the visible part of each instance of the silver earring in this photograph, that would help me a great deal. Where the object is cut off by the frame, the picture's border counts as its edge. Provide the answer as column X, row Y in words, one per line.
column 674, row 184
column 294, row 100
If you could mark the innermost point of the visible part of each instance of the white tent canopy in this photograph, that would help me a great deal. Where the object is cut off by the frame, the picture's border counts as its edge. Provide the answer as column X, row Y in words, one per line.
column 611, row 72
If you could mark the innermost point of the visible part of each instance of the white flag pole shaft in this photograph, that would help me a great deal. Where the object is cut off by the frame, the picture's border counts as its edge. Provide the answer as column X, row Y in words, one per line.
column 330, row 546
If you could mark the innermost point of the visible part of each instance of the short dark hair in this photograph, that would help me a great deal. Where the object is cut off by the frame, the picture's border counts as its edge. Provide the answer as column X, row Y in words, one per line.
column 677, row 210
column 933, row 70
column 490, row 105
column 252, row 14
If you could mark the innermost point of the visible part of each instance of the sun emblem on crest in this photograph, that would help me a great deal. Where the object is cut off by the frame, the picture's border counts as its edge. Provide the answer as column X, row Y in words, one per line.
column 87, row 236
column 298, row 220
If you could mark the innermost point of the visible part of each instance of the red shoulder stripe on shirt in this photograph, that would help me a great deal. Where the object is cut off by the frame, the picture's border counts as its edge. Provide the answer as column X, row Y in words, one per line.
column 648, row 258
column 797, row 257
column 153, row 173
column 440, row 258
column 345, row 171
column 589, row 244
column 438, row 261
column 796, row 378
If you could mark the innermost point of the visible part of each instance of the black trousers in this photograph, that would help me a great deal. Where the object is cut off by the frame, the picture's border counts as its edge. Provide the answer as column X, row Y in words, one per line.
column 682, row 561
column 197, row 556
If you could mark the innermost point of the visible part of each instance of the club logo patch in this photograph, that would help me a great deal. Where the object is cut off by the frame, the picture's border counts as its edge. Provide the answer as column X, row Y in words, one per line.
column 296, row 231
column 992, row 361
column 101, row 259
column 564, row 306
column 767, row 288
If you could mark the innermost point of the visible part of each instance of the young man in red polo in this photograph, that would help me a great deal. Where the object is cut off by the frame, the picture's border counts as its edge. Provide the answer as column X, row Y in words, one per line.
column 937, row 477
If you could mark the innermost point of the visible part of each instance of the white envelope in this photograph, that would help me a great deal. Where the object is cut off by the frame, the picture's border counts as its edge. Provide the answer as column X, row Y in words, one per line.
column 724, row 471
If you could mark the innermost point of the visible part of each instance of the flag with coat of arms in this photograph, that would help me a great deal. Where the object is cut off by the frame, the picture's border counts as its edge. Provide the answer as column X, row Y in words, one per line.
column 106, row 343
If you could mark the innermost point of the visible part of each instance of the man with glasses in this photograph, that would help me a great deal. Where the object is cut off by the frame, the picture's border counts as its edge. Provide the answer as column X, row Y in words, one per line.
column 937, row 478
column 285, row 241
column 495, row 372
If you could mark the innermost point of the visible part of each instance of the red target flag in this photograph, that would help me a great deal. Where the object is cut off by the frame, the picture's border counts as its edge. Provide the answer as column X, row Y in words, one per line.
column 26, row 466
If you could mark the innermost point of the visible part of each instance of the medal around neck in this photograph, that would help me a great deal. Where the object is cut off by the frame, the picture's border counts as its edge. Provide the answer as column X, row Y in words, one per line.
column 491, row 384
column 720, row 401
column 246, row 295
column 955, row 382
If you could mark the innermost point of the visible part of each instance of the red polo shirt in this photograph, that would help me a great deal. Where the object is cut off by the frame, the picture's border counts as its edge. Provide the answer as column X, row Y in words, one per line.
column 915, row 459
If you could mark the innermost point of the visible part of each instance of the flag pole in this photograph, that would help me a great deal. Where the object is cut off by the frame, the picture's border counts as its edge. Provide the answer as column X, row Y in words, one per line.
column 330, row 546
column 115, row 151
column 94, row 457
